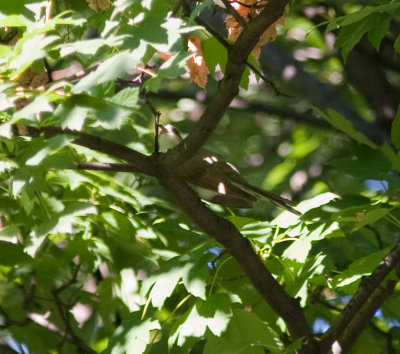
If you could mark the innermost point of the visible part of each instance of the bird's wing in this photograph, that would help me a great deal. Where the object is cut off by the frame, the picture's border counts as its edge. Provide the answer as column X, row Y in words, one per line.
column 211, row 173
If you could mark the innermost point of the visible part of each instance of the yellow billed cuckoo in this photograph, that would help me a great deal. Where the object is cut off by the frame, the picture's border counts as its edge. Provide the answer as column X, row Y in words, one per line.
column 216, row 180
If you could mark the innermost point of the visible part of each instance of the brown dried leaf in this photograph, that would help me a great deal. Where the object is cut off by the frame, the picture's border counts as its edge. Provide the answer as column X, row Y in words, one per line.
column 249, row 9
column 196, row 64
column 164, row 56
column 98, row 5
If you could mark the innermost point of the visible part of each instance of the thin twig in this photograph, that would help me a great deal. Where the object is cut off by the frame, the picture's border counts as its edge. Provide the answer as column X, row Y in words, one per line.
column 239, row 277
column 377, row 235
column 65, row 315
column 143, row 163
column 156, row 114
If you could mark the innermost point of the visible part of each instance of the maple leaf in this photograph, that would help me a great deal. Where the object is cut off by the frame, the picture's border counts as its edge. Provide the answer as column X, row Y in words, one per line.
column 196, row 64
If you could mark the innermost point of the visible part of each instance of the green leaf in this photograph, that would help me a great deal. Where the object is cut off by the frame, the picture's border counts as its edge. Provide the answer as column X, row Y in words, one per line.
column 128, row 97
column 61, row 223
column 29, row 112
column 9, row 233
column 214, row 313
column 168, row 38
column 359, row 164
column 397, row 45
column 349, row 279
column 396, row 129
column 261, row 231
column 12, row 254
column 199, row 8
column 214, row 54
column 298, row 250
column 13, row 21
column 5, row 50
column 31, row 49
column 112, row 68
column 369, row 342
column 89, row 46
column 194, row 277
column 132, row 336
column 286, row 218
column 357, row 16
column 374, row 20
column 30, row 337
column 71, row 115
column 381, row 28
column 191, row 269
column 164, row 281
column 351, row 34
column 7, row 164
column 173, row 67
column 392, row 155
column 123, row 5
column 244, row 80
column 44, row 149
column 370, row 217
column 246, row 334
column 341, row 123
column 100, row 112
column 304, row 273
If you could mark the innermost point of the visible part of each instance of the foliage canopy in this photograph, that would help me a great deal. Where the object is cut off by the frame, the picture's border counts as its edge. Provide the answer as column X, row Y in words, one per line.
column 104, row 249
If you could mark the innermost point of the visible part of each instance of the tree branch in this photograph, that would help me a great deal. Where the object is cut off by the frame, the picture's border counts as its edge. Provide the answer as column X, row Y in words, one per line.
column 360, row 298
column 140, row 162
column 228, row 86
column 363, row 317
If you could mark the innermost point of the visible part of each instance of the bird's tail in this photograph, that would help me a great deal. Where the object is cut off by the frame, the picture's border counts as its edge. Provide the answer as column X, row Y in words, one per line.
column 270, row 197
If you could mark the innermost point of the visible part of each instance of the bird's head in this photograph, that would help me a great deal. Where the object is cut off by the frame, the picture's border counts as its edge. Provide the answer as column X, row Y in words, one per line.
column 169, row 137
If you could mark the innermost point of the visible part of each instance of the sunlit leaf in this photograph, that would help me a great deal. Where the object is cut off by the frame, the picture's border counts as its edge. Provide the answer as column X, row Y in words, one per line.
column 350, row 278
column 112, row 68
column 246, row 333
column 132, row 336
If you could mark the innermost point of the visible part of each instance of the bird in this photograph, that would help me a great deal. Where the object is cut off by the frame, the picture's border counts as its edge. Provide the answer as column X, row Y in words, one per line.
column 216, row 180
